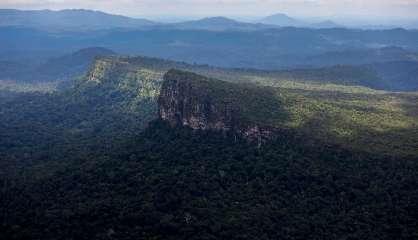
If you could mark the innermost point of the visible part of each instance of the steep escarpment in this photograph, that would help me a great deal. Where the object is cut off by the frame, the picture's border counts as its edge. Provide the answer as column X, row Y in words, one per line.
column 188, row 99
column 353, row 117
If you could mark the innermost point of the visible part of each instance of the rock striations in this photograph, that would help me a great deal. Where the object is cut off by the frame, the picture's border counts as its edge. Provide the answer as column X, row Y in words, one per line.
column 188, row 99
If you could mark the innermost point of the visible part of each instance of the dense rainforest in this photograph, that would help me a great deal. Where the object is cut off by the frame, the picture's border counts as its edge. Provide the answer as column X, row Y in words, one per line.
column 180, row 184
column 91, row 163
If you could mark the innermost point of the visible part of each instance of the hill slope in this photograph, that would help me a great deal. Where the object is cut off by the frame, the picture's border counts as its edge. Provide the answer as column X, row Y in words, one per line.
column 220, row 24
column 62, row 69
column 283, row 20
column 74, row 19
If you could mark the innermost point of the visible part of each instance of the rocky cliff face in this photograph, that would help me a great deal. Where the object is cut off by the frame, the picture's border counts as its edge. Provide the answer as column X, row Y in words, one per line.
column 187, row 99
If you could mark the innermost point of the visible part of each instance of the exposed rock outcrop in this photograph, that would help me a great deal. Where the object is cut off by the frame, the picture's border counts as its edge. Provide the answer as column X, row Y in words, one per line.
column 188, row 99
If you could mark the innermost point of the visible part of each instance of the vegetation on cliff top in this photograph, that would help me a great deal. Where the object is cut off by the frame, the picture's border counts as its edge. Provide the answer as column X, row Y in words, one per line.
column 355, row 117
column 359, row 119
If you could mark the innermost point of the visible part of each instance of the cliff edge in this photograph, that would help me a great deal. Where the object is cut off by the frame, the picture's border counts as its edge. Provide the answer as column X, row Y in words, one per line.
column 188, row 99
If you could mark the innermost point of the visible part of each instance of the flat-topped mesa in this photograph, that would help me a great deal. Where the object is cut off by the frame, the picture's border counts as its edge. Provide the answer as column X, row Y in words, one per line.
column 188, row 99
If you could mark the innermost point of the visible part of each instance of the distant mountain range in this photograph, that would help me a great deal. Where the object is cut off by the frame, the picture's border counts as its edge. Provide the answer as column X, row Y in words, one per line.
column 73, row 19
column 85, row 20
column 284, row 20
column 79, row 19
column 274, row 21
column 362, row 56
column 37, row 46
column 220, row 24
column 263, row 49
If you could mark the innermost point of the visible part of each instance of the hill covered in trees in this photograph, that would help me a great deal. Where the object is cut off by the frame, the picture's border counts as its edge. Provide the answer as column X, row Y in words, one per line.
column 352, row 116
column 262, row 48
column 69, row 20
column 376, row 121
column 63, row 68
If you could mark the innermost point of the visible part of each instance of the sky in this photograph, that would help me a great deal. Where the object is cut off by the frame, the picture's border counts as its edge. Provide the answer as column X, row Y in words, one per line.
column 366, row 9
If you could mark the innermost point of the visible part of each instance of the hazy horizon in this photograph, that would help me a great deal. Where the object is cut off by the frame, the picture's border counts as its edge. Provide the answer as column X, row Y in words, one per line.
column 370, row 12
column 347, row 21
